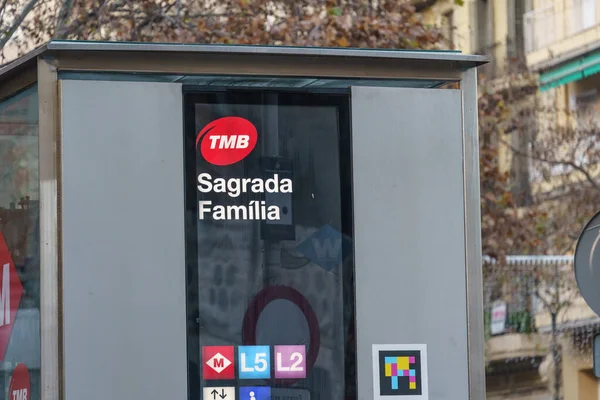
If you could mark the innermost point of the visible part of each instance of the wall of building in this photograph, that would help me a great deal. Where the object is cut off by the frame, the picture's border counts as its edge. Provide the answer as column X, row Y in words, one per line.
column 462, row 29
column 577, row 379
column 562, row 24
column 577, row 385
column 588, row 385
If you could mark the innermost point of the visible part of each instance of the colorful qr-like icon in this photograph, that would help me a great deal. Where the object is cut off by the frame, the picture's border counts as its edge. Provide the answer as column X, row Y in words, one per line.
column 400, row 373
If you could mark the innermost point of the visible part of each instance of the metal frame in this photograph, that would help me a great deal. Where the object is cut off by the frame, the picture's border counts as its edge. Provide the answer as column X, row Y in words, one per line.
column 44, row 63
column 273, row 50
column 473, row 256
column 50, row 235
column 248, row 60
column 249, row 64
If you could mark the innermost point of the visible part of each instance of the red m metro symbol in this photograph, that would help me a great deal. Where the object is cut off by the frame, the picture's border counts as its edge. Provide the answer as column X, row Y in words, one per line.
column 217, row 362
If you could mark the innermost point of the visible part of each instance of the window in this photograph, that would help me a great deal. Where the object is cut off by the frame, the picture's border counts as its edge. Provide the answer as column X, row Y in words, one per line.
column 482, row 24
column 581, row 15
column 268, row 211
column 19, row 247
column 585, row 101
column 516, row 30
column 448, row 28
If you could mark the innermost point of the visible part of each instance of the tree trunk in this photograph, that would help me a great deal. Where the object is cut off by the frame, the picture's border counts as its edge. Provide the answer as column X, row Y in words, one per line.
column 556, row 358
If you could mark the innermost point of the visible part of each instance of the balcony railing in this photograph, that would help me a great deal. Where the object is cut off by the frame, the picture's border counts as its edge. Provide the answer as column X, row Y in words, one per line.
column 552, row 23
column 527, row 286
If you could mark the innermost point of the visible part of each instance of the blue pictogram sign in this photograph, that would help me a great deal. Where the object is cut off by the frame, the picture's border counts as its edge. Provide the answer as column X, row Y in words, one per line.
column 255, row 393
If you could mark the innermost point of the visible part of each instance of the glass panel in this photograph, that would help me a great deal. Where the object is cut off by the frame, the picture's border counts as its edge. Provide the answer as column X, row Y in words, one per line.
column 19, row 248
column 269, row 229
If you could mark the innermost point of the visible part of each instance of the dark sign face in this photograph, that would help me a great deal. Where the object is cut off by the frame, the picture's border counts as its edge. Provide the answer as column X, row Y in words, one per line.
column 400, row 373
column 268, row 214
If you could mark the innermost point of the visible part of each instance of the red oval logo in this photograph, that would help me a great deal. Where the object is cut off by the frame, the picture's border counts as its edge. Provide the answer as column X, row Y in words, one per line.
column 227, row 140
column 20, row 386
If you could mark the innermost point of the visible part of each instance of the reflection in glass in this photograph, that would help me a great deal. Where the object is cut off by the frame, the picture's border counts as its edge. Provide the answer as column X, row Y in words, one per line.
column 19, row 224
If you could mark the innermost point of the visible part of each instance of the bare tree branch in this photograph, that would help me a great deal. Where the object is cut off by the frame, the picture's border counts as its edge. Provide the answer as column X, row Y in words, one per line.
column 17, row 22
column 568, row 163
column 541, row 298
column 63, row 16
column 3, row 7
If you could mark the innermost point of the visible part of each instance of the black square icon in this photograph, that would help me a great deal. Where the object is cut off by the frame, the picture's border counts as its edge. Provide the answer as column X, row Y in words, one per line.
column 400, row 373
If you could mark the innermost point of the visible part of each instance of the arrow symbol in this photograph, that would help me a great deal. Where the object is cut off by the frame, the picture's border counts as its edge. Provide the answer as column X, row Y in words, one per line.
column 222, row 395
column 214, row 393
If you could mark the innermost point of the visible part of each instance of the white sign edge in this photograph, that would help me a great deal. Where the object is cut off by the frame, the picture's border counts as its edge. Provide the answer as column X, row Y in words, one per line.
column 376, row 348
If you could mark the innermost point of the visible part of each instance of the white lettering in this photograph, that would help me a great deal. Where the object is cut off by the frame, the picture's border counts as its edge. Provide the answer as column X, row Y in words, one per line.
column 220, row 185
column 296, row 366
column 243, row 141
column 203, row 208
column 234, row 212
column 272, row 184
column 5, row 296
column 245, row 183
column 258, row 185
column 205, row 185
column 235, row 187
column 256, row 210
column 219, row 213
column 227, row 142
column 213, row 141
column 260, row 362
column 280, row 366
column 20, row 394
column 273, row 213
column 243, row 363
column 286, row 185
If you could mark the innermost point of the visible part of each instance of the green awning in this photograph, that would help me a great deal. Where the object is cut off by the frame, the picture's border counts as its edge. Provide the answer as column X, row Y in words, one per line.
column 570, row 72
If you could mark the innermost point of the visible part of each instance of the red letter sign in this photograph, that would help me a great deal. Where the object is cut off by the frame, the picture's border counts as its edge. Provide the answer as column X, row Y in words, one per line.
column 10, row 295
column 217, row 362
column 227, row 140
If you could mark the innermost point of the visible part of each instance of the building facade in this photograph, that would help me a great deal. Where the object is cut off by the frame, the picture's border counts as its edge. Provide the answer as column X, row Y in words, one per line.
column 558, row 41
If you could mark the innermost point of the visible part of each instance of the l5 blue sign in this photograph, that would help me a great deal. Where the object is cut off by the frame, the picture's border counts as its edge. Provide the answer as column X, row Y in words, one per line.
column 326, row 247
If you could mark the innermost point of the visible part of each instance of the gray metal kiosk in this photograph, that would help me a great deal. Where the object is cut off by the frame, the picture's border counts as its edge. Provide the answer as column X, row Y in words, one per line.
column 223, row 222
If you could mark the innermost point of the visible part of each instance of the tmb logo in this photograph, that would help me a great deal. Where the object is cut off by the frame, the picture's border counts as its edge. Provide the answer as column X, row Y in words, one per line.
column 227, row 140
column 20, row 384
